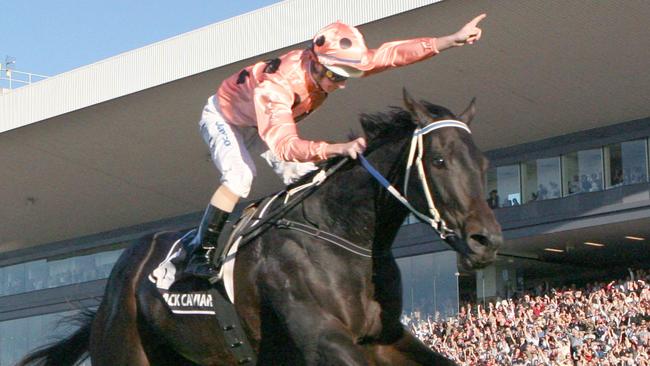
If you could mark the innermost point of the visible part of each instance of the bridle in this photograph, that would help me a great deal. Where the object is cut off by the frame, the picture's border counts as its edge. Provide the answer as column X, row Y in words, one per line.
column 297, row 194
column 417, row 145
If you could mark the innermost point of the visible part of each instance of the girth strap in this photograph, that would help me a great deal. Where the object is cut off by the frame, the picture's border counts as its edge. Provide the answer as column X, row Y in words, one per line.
column 329, row 237
column 231, row 327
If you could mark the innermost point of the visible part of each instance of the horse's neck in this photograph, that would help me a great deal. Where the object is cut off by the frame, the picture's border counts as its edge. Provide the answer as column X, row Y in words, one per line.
column 353, row 205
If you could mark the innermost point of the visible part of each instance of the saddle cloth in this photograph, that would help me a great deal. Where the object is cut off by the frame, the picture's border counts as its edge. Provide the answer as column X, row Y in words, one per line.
column 169, row 274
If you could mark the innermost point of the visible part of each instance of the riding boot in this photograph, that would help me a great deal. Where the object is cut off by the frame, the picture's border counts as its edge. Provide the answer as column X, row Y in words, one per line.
column 203, row 246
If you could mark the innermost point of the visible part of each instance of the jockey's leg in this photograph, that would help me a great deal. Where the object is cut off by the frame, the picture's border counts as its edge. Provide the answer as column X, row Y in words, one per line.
column 230, row 155
column 408, row 350
column 205, row 242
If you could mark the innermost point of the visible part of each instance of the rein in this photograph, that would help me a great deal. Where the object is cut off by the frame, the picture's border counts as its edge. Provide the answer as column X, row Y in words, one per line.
column 417, row 144
column 297, row 195
column 275, row 218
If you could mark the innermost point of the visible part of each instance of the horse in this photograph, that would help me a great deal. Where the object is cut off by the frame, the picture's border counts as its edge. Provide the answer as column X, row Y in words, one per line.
column 302, row 300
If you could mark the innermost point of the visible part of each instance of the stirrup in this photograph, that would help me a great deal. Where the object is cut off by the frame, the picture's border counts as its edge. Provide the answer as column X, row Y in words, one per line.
column 200, row 264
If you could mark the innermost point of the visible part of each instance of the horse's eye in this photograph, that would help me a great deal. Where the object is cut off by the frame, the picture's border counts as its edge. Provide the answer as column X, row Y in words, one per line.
column 438, row 161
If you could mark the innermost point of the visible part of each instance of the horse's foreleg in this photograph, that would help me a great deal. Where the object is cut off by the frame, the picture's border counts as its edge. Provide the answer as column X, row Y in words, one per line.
column 336, row 347
column 408, row 350
column 317, row 339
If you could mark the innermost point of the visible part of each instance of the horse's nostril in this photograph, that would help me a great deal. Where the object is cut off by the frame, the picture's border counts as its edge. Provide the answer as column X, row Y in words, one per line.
column 481, row 239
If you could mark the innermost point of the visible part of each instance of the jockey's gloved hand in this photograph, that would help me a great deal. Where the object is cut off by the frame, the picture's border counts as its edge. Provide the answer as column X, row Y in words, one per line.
column 351, row 149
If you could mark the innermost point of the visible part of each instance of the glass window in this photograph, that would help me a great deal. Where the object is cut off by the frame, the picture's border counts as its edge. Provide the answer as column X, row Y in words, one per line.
column 541, row 179
column 21, row 336
column 85, row 268
column 504, row 186
column 491, row 184
column 626, row 163
column 59, row 272
column 36, row 275
column 105, row 261
column 429, row 285
column 14, row 279
column 41, row 274
column 582, row 171
column 3, row 282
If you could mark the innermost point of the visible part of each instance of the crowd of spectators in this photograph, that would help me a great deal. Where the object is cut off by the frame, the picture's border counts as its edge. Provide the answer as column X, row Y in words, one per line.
column 600, row 324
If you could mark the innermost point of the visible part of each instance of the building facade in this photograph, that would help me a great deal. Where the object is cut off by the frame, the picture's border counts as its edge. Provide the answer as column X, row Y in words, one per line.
column 114, row 159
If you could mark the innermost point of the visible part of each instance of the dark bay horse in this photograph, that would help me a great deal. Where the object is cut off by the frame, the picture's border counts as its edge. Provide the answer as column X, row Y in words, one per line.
column 302, row 300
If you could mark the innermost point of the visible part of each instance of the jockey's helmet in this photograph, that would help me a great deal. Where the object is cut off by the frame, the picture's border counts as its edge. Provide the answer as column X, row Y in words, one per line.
column 341, row 49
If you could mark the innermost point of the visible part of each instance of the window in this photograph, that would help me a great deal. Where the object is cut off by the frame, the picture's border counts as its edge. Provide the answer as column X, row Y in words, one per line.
column 21, row 336
column 36, row 275
column 41, row 274
column 589, row 170
column 626, row 163
column 504, row 186
column 12, row 279
column 582, row 171
column 430, row 285
column 541, row 179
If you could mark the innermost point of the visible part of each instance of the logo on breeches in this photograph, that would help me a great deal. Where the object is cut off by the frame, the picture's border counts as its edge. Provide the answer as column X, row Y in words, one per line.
column 224, row 135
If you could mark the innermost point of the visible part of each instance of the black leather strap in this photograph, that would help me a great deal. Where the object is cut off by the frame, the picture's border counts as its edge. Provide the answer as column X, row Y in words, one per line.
column 329, row 237
column 270, row 219
column 233, row 332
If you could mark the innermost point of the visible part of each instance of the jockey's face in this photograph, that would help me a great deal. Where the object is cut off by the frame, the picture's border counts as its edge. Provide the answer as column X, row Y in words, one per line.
column 327, row 80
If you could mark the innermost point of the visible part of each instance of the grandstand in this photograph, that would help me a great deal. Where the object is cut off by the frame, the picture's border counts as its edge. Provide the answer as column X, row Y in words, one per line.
column 94, row 158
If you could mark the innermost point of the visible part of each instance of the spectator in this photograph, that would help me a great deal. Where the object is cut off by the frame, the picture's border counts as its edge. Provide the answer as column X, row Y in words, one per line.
column 602, row 324
column 493, row 199
column 574, row 185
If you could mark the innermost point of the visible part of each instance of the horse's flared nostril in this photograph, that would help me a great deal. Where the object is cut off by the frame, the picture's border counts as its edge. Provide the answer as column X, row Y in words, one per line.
column 481, row 239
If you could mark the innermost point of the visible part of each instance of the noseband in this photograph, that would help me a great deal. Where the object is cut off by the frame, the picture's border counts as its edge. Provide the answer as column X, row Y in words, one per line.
column 417, row 144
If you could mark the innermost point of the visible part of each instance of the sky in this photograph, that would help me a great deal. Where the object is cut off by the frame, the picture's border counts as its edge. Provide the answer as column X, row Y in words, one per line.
column 49, row 37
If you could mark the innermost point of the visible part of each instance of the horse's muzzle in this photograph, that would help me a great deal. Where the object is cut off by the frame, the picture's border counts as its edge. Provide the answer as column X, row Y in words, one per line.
column 477, row 251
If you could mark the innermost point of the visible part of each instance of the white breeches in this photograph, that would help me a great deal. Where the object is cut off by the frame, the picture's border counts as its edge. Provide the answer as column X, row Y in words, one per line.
column 229, row 147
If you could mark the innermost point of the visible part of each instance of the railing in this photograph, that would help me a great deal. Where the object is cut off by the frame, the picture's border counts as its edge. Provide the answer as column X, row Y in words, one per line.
column 11, row 79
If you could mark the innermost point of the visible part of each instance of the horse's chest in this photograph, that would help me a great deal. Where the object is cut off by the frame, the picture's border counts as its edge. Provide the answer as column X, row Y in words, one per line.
column 373, row 324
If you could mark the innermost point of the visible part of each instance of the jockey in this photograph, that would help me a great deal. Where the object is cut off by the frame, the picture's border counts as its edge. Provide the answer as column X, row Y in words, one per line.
column 260, row 105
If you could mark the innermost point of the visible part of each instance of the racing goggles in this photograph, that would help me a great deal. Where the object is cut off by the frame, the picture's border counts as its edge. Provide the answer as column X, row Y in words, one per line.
column 333, row 77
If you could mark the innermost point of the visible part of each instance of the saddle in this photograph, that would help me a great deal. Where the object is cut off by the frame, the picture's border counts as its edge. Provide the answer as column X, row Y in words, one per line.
column 185, row 296
column 170, row 274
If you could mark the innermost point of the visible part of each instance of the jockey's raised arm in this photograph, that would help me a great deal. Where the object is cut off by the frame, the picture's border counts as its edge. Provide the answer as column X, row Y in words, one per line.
column 272, row 96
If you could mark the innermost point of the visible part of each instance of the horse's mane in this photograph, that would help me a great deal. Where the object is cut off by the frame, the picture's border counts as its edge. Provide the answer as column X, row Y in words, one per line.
column 381, row 128
column 394, row 124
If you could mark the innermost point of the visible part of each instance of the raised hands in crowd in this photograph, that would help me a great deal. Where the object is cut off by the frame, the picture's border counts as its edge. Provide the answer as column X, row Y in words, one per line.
column 602, row 324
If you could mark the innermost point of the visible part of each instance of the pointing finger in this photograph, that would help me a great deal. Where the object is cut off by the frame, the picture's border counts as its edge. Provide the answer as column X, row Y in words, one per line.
column 475, row 21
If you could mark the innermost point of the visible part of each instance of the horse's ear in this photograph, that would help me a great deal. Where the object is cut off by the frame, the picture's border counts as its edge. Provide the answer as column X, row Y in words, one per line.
column 422, row 116
column 468, row 115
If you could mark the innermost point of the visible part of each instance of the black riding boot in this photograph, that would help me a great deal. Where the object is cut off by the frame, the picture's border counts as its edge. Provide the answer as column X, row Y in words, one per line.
column 205, row 242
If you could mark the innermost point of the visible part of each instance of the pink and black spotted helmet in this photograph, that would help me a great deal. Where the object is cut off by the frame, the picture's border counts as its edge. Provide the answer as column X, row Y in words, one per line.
column 341, row 49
